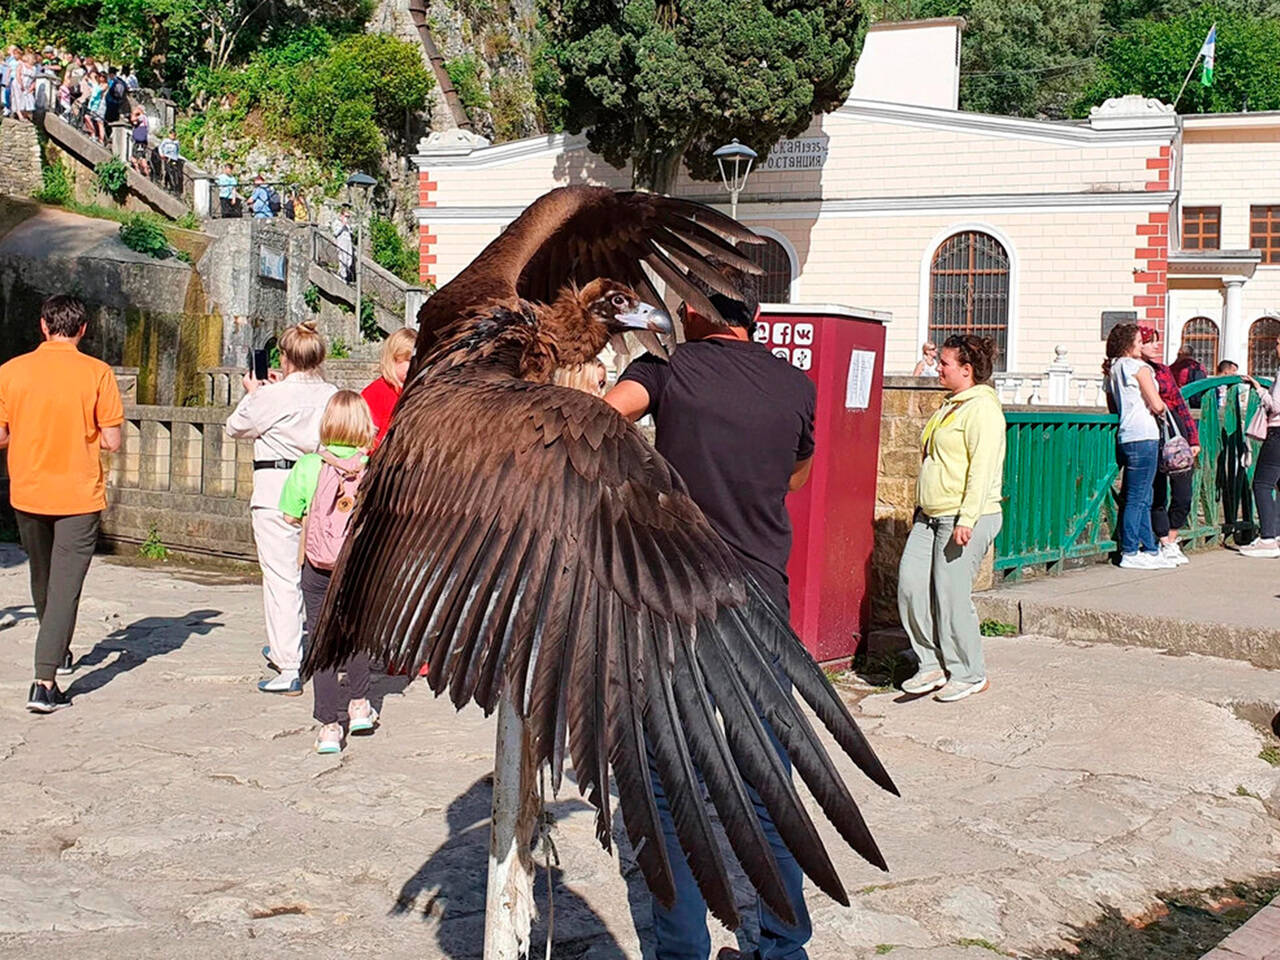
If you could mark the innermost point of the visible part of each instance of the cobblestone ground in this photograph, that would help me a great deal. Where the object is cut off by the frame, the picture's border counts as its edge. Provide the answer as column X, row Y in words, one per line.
column 174, row 811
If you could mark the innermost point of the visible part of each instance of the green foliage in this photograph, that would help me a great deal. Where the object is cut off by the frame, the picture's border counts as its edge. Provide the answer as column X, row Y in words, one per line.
column 311, row 297
column 1243, row 791
column 883, row 948
column 464, row 74
column 184, row 257
column 979, row 942
column 1027, row 57
column 188, row 221
column 341, row 106
column 997, row 628
column 658, row 84
column 142, row 232
column 370, row 332
column 1271, row 754
column 389, row 250
column 56, row 187
column 112, row 178
column 273, row 356
column 153, row 547
column 338, row 349
column 1152, row 57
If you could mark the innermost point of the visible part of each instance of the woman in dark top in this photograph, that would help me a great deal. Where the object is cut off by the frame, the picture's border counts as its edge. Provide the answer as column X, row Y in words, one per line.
column 1171, row 499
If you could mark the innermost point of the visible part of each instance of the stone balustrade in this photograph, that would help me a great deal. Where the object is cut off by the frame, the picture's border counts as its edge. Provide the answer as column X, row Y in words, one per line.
column 1059, row 386
column 178, row 474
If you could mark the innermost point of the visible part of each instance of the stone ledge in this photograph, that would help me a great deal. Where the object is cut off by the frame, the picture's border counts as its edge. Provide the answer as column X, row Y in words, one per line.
column 1258, row 646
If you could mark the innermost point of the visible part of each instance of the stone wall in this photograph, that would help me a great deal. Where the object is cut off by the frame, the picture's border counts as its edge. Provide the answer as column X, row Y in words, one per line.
column 20, row 170
column 908, row 404
column 179, row 475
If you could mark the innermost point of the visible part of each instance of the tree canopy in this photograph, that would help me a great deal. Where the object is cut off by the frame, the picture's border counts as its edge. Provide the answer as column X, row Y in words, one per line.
column 658, row 82
column 1151, row 57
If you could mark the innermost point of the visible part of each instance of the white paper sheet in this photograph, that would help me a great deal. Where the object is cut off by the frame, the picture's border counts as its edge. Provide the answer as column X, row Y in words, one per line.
column 857, row 386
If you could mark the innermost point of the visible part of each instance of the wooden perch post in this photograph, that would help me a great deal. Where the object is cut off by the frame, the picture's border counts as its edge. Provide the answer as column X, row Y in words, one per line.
column 509, row 904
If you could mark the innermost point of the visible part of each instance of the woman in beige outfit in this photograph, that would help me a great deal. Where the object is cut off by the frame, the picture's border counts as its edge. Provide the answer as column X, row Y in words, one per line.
column 282, row 418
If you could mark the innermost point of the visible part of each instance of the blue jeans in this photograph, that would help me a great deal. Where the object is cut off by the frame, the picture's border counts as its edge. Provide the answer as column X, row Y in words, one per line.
column 681, row 932
column 1139, row 460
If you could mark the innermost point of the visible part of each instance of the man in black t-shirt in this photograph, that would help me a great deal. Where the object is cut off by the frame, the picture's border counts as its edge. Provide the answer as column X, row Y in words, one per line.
column 737, row 424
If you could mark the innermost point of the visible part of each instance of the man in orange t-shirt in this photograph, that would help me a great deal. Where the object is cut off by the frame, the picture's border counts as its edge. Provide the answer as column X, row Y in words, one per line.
column 58, row 409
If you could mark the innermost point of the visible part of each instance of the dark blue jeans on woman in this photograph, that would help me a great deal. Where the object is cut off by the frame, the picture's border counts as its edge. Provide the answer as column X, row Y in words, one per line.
column 1139, row 459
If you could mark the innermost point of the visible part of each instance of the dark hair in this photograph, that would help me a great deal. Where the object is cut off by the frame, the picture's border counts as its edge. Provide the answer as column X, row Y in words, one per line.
column 977, row 352
column 1223, row 364
column 1119, row 341
column 736, row 313
column 63, row 315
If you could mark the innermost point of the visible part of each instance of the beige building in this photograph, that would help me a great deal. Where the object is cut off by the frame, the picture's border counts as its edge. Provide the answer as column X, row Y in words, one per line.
column 1025, row 230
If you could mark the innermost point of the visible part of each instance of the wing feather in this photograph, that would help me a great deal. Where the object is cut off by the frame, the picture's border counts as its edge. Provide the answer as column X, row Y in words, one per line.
column 525, row 538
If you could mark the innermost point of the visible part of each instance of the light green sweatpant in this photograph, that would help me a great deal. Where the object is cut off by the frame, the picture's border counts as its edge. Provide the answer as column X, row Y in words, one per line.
column 935, row 594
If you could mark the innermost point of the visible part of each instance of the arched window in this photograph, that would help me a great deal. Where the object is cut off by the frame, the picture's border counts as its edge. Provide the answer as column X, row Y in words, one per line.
column 771, row 256
column 969, row 290
column 1262, row 346
column 1200, row 334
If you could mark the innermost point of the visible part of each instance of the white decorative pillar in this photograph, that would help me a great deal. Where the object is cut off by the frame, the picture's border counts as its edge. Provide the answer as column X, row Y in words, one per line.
column 1059, row 378
column 1235, row 338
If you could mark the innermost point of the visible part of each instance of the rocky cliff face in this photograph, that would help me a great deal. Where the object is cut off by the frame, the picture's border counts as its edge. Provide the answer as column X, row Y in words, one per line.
column 488, row 47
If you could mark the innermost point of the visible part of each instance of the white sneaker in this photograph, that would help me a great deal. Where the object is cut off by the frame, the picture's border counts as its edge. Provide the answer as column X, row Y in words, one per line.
column 1141, row 561
column 1261, row 548
column 959, row 689
column 1171, row 551
column 924, row 681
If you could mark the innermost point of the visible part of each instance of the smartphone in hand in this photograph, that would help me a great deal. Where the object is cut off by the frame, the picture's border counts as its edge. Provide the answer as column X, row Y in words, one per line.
column 260, row 365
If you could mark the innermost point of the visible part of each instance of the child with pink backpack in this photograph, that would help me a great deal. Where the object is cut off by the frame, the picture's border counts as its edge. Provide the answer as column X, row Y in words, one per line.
column 320, row 493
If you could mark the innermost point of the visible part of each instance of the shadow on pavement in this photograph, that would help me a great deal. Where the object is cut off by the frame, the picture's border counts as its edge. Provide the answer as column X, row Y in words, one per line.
column 448, row 890
column 1185, row 925
column 19, row 613
column 136, row 644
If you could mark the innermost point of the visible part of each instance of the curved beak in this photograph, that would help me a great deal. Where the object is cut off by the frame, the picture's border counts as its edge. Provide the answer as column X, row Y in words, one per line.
column 644, row 317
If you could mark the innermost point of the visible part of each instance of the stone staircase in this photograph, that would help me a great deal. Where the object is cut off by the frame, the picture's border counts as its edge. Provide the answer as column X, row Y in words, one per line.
column 91, row 153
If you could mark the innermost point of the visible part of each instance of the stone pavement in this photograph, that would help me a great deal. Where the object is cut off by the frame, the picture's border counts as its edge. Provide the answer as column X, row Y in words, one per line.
column 1221, row 604
column 173, row 811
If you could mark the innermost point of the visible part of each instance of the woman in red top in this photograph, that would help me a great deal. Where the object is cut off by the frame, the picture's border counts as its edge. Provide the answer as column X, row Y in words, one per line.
column 382, row 394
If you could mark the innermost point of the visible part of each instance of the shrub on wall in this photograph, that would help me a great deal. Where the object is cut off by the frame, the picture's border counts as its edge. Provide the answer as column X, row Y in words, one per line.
column 57, row 187
column 145, row 235
column 112, row 178
column 389, row 250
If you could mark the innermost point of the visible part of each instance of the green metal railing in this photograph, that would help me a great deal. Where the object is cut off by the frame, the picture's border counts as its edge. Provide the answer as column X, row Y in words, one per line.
column 1061, row 486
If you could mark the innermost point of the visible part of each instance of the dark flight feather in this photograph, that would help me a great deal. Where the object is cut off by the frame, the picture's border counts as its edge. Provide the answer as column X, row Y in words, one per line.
column 522, row 539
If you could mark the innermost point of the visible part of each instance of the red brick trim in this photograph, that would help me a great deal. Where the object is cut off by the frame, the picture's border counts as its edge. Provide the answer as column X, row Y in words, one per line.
column 1151, row 258
column 426, row 239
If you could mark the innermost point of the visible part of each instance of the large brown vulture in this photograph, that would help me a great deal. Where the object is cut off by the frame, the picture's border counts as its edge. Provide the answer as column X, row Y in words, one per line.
column 516, row 533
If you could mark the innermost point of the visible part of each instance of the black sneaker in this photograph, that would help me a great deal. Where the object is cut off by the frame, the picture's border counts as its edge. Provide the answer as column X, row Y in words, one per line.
column 44, row 699
column 66, row 665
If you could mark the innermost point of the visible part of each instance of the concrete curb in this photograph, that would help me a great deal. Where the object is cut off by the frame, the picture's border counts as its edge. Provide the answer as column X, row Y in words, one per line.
column 1261, row 647
column 1259, row 939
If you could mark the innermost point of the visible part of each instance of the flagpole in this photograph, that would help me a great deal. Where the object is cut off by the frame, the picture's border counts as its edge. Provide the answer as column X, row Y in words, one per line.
column 1187, row 78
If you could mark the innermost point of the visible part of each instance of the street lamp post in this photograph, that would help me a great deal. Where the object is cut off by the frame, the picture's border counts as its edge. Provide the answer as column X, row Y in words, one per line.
column 735, row 160
column 359, row 185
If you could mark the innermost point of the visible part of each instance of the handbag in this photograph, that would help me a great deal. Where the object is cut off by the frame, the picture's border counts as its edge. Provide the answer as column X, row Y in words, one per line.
column 1175, row 452
column 1257, row 428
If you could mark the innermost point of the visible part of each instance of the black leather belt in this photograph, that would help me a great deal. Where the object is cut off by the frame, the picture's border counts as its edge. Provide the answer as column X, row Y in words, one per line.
column 273, row 464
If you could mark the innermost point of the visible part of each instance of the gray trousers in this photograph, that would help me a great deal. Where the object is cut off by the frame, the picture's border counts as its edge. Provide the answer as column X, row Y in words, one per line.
column 935, row 594
column 58, row 551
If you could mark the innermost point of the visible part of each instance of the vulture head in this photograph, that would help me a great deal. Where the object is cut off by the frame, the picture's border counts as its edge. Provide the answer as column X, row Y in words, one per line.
column 583, row 319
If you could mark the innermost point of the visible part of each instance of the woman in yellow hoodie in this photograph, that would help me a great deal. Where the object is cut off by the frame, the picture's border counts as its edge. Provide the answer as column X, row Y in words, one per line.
column 957, row 518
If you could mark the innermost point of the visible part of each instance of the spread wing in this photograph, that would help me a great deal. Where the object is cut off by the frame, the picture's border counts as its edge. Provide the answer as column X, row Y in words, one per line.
column 578, row 234
column 526, row 537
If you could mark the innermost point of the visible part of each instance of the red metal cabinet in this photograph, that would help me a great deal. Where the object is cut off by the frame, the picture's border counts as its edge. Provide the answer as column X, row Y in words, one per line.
column 833, row 515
